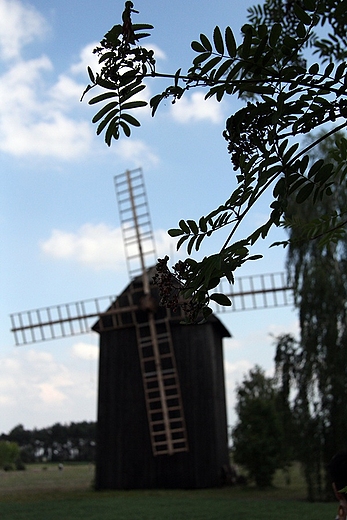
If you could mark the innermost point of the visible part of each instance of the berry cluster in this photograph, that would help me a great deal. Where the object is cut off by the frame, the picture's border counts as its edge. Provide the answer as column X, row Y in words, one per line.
column 172, row 285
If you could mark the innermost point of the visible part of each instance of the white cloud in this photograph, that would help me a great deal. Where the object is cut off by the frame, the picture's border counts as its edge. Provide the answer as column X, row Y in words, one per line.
column 19, row 25
column 195, row 108
column 38, row 109
column 49, row 394
column 136, row 153
column 85, row 351
column 86, row 58
column 36, row 116
column 97, row 246
column 33, row 121
column 38, row 390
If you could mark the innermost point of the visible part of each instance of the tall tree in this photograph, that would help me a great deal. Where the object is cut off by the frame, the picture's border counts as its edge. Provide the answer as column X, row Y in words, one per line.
column 258, row 437
column 317, row 364
column 287, row 93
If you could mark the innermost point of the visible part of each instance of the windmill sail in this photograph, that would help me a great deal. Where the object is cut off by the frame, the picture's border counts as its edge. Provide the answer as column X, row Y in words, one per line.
column 159, row 373
column 135, row 221
column 254, row 292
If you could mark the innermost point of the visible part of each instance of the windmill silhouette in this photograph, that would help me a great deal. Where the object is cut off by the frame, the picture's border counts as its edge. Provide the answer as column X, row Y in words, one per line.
column 161, row 404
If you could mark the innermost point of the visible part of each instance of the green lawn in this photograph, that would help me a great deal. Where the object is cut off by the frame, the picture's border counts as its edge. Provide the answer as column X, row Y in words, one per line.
column 38, row 494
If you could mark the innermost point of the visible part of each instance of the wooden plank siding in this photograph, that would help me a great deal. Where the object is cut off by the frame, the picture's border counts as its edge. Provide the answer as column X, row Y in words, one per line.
column 124, row 453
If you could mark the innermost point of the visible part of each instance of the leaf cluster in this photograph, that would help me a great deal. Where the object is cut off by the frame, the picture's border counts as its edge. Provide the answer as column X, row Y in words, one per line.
column 124, row 65
column 285, row 98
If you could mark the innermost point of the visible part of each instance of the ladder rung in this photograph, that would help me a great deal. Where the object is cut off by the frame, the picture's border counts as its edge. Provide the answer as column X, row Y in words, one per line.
column 166, row 372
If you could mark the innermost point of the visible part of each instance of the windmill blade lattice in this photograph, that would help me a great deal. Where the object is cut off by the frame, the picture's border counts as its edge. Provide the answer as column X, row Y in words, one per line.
column 135, row 222
column 253, row 292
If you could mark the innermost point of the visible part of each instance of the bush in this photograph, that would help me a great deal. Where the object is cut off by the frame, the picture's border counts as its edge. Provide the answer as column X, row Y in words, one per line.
column 20, row 466
column 8, row 467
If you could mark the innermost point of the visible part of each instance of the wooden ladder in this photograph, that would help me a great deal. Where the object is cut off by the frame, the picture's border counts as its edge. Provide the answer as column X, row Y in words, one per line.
column 162, row 389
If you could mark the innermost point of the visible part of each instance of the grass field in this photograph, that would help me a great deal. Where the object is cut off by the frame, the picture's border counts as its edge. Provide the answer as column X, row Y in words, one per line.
column 50, row 494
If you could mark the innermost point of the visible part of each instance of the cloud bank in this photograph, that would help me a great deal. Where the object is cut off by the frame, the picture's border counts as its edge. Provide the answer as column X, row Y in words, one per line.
column 96, row 246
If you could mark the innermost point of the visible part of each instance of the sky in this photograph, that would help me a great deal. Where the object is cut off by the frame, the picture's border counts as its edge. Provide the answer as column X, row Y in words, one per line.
column 59, row 224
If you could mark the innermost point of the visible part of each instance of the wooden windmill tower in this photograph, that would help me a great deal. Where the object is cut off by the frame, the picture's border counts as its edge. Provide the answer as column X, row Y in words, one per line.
column 161, row 401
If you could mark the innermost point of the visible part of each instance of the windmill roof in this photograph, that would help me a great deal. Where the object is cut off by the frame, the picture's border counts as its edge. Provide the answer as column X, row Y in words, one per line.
column 134, row 288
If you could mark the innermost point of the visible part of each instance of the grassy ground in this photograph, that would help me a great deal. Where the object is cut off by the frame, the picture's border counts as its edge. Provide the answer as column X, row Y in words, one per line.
column 41, row 494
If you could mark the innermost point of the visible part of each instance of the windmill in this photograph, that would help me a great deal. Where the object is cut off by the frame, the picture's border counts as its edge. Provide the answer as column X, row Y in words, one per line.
column 161, row 404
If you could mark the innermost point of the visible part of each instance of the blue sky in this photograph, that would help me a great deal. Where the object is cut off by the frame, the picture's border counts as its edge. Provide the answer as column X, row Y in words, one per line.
column 59, row 224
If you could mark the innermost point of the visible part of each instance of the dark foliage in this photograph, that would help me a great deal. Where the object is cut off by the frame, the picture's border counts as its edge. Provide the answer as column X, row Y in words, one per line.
column 287, row 95
column 60, row 442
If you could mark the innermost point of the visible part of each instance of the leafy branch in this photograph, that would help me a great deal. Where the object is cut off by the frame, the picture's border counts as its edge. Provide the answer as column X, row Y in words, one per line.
column 285, row 99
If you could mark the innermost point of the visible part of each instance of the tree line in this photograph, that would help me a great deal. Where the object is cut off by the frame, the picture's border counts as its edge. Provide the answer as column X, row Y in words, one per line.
column 57, row 443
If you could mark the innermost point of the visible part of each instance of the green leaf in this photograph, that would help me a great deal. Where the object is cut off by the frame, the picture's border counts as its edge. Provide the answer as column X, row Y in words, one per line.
column 287, row 156
column 340, row 10
column 184, row 226
column 181, row 241
column 226, row 65
column 221, row 299
column 193, row 226
column 126, row 128
column 175, row 232
column 138, row 36
column 177, row 77
column 113, row 34
column 112, row 114
column 106, row 84
column 91, row 74
column 218, row 40
column 104, row 111
column 275, row 33
column 315, row 168
column 190, row 245
column 155, row 101
column 301, row 14
column 203, row 224
column 130, row 119
column 314, row 69
column 340, row 71
column 230, row 42
column 210, row 64
column 197, row 47
column 106, row 56
column 309, row 5
column 127, row 92
column 112, row 131
column 304, row 193
column 134, row 104
column 102, row 97
column 213, row 283
column 328, row 69
column 141, row 26
column 301, row 30
column 324, row 173
column 198, row 242
column 201, row 58
column 206, row 42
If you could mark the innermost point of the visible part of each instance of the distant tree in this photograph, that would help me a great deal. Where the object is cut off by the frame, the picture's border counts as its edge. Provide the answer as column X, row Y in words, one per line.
column 9, row 453
column 60, row 442
column 258, row 437
column 20, row 435
column 289, row 68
